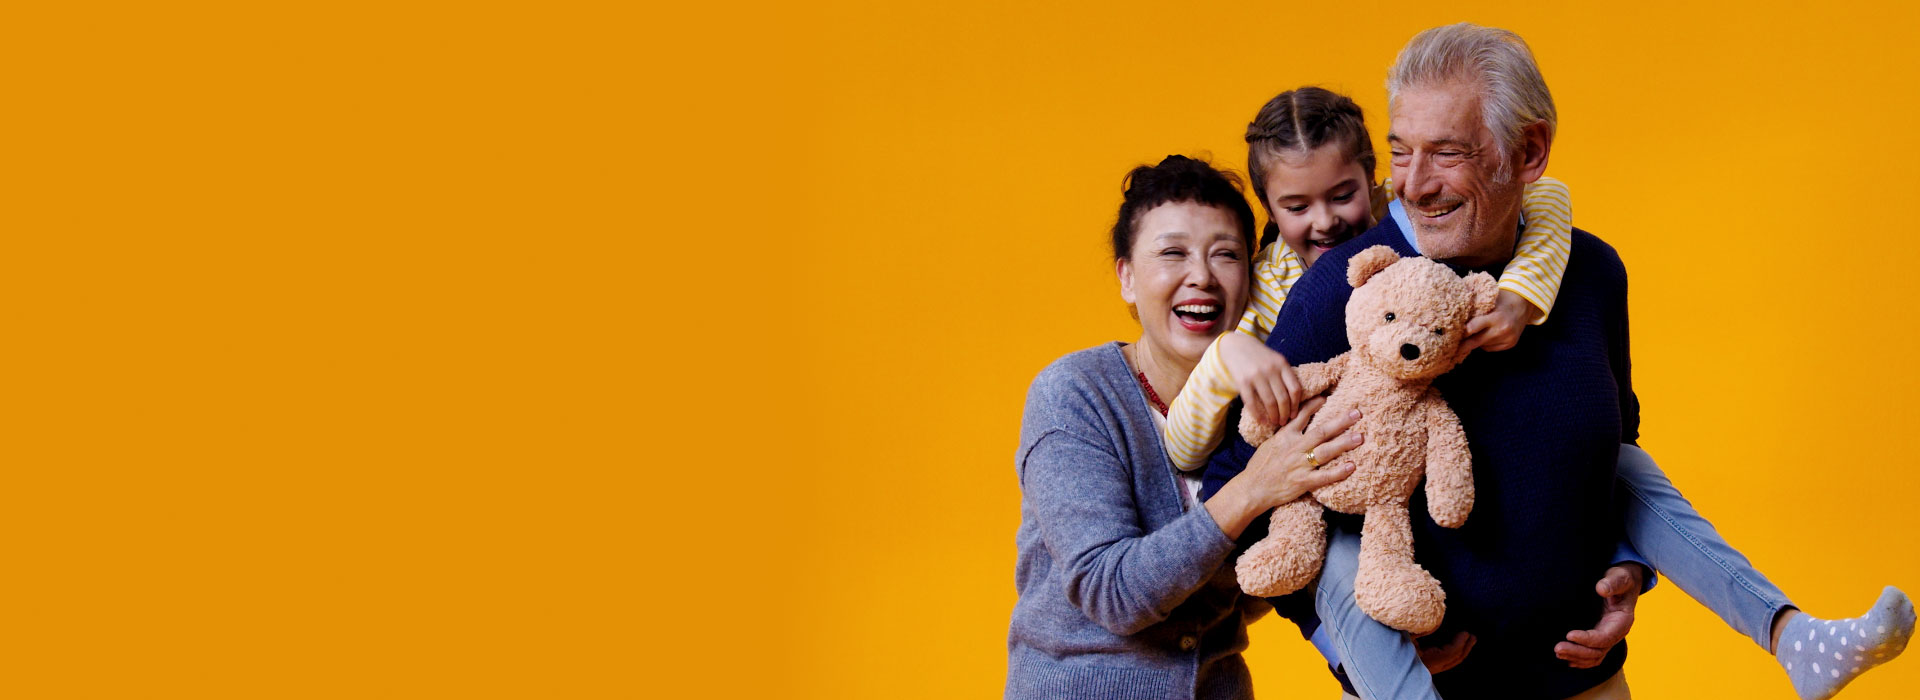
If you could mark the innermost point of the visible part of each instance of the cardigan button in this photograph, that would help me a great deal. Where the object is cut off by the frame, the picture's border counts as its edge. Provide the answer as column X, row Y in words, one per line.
column 1187, row 643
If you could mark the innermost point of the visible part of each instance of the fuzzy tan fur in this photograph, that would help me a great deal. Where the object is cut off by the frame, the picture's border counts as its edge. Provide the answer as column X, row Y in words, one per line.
column 1410, row 432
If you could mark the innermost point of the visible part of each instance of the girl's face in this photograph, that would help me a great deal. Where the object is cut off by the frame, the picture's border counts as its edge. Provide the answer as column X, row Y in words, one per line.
column 1187, row 277
column 1318, row 198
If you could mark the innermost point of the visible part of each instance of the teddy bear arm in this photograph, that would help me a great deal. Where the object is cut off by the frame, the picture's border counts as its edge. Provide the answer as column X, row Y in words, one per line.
column 1318, row 377
column 1449, row 465
column 1315, row 377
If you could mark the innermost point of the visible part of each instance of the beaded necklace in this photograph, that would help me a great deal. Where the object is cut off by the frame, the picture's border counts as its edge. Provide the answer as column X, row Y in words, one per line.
column 1152, row 397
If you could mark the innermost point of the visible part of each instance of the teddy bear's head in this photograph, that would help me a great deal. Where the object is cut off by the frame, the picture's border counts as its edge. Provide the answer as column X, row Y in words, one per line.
column 1408, row 316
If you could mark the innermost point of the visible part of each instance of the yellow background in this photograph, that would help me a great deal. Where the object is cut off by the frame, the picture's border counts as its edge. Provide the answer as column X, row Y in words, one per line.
column 568, row 350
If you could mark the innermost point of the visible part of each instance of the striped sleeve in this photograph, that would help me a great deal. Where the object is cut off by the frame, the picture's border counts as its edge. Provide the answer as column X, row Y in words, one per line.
column 1541, row 258
column 1274, row 272
column 1197, row 419
column 1199, row 414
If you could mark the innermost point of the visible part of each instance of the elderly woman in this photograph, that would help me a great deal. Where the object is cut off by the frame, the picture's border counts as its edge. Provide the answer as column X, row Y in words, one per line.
column 1125, row 587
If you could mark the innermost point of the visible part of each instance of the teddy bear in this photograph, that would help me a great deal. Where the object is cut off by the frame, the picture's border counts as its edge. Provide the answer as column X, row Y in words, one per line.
column 1406, row 322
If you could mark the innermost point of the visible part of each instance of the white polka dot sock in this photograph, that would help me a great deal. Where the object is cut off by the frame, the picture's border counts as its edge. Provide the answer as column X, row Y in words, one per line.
column 1823, row 656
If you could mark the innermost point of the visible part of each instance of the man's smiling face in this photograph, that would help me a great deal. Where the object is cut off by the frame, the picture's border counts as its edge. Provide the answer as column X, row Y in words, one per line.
column 1447, row 171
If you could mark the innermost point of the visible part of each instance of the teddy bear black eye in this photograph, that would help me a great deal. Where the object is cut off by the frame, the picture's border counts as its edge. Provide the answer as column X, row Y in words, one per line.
column 1389, row 317
column 1439, row 331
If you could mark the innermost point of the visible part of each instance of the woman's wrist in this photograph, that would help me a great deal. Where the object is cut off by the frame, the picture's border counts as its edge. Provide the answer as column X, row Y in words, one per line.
column 1267, row 463
column 1233, row 508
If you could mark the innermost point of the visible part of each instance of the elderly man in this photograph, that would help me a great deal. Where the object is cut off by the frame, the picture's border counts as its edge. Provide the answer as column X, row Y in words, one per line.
column 1472, row 123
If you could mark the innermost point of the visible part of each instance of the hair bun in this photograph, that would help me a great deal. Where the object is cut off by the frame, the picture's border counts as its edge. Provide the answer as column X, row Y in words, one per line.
column 1178, row 178
column 1174, row 171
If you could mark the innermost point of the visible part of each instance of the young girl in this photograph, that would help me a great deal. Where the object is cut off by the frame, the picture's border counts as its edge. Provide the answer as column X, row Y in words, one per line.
column 1311, row 161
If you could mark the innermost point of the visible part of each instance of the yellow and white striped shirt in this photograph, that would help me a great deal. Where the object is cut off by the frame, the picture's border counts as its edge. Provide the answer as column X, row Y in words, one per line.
column 1196, row 420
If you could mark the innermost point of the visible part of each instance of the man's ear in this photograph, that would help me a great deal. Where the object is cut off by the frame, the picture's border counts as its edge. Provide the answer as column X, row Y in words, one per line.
column 1486, row 292
column 1369, row 263
column 1530, row 157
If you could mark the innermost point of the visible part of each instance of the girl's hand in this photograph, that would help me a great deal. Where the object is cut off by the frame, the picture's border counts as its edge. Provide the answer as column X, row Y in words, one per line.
column 1281, row 469
column 1499, row 329
column 1265, row 380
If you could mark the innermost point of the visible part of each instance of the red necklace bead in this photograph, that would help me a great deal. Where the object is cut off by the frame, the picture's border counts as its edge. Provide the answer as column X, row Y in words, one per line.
column 1152, row 397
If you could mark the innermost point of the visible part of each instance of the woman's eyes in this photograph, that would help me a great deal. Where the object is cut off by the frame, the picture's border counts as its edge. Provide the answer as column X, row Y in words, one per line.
column 1297, row 208
column 1181, row 253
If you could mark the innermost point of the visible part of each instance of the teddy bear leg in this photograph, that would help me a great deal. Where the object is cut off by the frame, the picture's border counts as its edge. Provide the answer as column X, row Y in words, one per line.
column 1290, row 556
column 1390, row 586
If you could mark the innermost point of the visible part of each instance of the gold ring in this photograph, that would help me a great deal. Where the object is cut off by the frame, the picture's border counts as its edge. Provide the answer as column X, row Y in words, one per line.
column 1312, row 461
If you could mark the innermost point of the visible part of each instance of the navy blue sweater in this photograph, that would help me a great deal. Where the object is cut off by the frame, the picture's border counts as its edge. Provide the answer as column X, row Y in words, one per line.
column 1545, row 420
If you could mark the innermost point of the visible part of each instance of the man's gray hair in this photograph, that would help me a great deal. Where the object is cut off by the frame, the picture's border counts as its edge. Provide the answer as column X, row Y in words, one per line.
column 1512, row 93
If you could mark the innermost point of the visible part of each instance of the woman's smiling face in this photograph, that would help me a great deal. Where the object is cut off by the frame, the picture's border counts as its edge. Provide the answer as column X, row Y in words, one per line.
column 1187, row 276
column 1319, row 199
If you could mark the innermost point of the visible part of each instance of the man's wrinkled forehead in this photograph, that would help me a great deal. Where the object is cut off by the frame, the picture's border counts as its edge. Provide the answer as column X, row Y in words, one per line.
column 1442, row 115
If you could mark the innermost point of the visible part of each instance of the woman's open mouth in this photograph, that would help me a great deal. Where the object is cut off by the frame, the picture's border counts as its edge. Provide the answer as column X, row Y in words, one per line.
column 1197, row 316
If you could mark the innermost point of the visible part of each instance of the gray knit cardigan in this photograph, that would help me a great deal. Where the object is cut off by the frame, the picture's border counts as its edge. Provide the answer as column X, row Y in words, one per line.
column 1123, row 592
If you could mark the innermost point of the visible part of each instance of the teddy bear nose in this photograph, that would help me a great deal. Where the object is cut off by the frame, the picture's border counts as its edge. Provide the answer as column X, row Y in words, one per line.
column 1410, row 351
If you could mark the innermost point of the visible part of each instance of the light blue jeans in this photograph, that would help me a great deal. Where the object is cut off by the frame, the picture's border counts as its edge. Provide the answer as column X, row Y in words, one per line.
column 1382, row 663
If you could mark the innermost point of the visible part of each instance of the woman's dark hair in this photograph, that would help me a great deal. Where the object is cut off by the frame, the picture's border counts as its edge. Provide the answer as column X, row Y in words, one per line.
column 1301, row 120
column 1178, row 179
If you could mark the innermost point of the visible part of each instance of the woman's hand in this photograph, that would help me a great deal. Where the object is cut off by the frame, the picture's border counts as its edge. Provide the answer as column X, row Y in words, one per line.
column 1280, row 468
column 1265, row 380
column 1279, row 471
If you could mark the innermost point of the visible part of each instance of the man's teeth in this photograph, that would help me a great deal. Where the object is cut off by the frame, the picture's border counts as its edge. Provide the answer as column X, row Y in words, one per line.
column 1197, row 309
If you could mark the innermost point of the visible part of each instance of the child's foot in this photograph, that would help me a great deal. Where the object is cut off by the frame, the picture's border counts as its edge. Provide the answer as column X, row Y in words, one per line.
column 1823, row 656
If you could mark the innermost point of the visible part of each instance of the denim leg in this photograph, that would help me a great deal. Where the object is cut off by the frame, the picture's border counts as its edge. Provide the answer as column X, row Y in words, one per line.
column 1686, row 549
column 1381, row 661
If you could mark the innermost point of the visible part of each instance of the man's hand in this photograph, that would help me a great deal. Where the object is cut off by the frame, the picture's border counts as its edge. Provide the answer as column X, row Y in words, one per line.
column 1264, row 379
column 1500, row 328
column 1439, row 656
column 1621, row 588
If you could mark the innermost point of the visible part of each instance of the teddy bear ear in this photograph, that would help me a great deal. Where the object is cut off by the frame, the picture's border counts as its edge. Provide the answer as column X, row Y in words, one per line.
column 1486, row 292
column 1369, row 263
